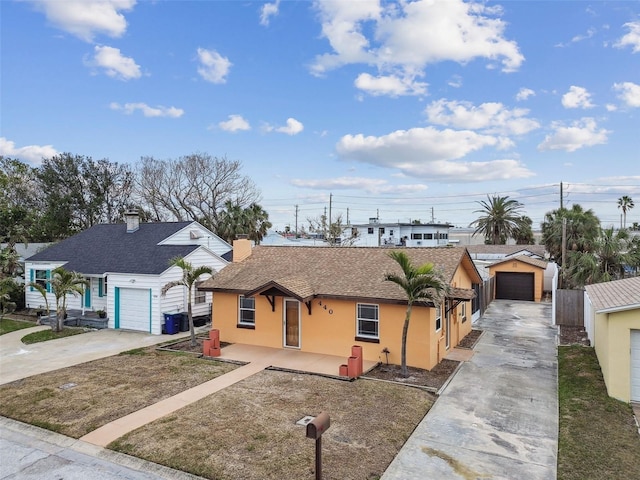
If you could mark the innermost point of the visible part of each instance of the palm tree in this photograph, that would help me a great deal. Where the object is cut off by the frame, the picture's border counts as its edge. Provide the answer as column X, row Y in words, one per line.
column 500, row 220
column 583, row 227
column 190, row 276
column 420, row 284
column 625, row 203
column 43, row 292
column 235, row 220
column 62, row 284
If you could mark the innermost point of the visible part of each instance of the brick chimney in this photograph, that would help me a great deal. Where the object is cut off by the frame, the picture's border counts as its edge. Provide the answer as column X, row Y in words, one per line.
column 241, row 248
column 133, row 220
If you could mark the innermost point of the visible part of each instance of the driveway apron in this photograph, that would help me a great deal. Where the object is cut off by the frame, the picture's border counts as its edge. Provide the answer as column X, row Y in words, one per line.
column 498, row 417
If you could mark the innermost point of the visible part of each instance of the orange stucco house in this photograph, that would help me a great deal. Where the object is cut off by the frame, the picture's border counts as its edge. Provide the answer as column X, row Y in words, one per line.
column 327, row 299
column 519, row 278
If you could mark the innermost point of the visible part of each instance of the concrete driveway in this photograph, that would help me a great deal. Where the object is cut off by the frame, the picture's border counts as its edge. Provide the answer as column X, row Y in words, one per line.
column 18, row 360
column 498, row 418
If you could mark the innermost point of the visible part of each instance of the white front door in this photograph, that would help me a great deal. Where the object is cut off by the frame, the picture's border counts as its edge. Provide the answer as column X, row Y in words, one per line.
column 635, row 365
column 291, row 323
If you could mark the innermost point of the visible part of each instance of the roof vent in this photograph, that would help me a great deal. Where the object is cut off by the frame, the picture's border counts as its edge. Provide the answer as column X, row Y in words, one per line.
column 194, row 234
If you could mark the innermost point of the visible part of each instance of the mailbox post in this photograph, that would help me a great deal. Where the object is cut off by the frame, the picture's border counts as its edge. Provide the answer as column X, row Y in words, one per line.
column 315, row 429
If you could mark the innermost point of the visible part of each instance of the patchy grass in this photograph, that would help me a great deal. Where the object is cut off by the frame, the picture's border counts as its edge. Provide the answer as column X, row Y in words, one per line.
column 249, row 431
column 598, row 438
column 79, row 399
column 46, row 335
column 9, row 325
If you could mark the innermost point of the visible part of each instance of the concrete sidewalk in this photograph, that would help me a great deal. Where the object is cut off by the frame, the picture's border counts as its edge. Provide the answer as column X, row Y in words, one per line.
column 498, row 417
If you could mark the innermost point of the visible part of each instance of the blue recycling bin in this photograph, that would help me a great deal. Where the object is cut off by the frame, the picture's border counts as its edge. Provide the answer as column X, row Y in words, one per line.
column 172, row 323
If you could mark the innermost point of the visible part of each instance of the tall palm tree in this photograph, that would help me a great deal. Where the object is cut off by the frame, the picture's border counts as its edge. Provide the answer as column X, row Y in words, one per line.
column 62, row 283
column 625, row 203
column 583, row 226
column 190, row 276
column 420, row 284
column 501, row 217
column 235, row 220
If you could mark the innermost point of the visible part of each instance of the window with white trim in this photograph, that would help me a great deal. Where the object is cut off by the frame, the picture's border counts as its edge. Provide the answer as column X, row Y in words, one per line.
column 438, row 318
column 247, row 310
column 199, row 297
column 367, row 320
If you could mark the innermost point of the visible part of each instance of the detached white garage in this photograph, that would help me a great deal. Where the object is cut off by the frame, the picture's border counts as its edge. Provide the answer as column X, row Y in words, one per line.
column 612, row 319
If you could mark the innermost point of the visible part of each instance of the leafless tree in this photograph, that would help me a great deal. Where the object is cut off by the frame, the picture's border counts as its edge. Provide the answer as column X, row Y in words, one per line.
column 193, row 187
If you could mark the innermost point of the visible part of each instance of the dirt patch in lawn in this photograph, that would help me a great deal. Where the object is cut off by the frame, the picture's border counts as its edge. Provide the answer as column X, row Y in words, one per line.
column 79, row 399
column 249, row 430
column 570, row 335
column 432, row 379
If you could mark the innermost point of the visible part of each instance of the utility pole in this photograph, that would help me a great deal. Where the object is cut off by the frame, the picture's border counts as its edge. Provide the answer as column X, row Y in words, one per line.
column 432, row 217
column 564, row 251
column 330, row 232
column 348, row 216
column 296, row 221
column 561, row 198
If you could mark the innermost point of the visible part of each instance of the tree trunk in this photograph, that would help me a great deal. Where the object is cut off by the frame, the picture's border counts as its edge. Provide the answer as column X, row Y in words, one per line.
column 404, row 371
column 191, row 328
column 59, row 324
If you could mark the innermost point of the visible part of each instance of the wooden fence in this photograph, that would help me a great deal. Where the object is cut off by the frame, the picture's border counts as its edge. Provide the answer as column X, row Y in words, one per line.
column 570, row 307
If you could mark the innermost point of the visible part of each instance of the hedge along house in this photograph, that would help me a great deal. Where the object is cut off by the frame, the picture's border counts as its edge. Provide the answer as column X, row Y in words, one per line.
column 612, row 321
column 126, row 266
column 327, row 299
column 519, row 278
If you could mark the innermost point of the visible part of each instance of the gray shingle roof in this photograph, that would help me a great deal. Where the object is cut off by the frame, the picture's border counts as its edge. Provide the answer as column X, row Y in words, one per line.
column 615, row 295
column 352, row 272
column 507, row 249
column 109, row 248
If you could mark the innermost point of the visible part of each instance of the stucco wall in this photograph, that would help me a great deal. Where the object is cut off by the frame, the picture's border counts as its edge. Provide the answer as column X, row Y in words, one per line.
column 516, row 266
column 613, row 348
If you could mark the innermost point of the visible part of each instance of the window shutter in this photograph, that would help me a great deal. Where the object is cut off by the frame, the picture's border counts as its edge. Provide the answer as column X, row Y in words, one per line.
column 32, row 277
column 100, row 280
column 48, row 280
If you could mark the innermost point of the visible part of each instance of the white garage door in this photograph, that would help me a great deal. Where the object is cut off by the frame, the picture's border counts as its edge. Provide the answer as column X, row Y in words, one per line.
column 134, row 311
column 635, row 365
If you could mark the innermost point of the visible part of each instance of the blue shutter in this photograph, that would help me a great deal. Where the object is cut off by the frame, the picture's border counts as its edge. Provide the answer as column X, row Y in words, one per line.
column 32, row 275
column 100, row 282
column 48, row 280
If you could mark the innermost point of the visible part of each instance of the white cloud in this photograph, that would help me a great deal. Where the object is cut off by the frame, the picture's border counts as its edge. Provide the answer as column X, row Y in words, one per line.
column 582, row 133
column 431, row 153
column 30, row 153
column 577, row 97
column 524, row 93
column 579, row 38
column 631, row 39
column 610, row 107
column 389, row 85
column 369, row 185
column 213, row 67
column 114, row 63
column 234, row 124
column 86, row 19
column 268, row 10
column 147, row 111
column 455, row 82
column 405, row 37
column 629, row 93
column 293, row 127
column 491, row 117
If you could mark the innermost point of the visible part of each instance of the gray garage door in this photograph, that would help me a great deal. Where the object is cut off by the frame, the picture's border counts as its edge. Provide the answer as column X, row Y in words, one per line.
column 515, row 286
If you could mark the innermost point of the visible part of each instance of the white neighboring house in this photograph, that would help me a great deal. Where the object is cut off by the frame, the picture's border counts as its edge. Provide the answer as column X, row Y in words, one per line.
column 376, row 234
column 127, row 265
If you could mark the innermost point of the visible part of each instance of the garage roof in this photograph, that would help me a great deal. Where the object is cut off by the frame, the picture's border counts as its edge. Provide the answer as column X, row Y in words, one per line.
column 616, row 295
column 524, row 259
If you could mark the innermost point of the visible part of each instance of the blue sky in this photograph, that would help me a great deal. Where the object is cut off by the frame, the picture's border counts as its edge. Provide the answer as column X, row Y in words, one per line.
column 396, row 108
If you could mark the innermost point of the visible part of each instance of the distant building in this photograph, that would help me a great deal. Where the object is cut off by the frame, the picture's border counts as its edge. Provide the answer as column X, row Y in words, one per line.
column 376, row 234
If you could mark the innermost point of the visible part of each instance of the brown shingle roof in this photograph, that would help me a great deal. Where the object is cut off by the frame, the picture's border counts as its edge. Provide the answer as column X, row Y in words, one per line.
column 615, row 295
column 354, row 272
column 524, row 259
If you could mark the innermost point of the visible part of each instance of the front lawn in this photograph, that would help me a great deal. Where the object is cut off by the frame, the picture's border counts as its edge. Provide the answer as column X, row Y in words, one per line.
column 249, row 430
column 9, row 325
column 598, row 438
column 49, row 334
column 77, row 400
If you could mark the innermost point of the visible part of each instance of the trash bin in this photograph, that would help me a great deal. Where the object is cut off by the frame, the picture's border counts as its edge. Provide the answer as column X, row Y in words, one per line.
column 172, row 323
column 184, row 322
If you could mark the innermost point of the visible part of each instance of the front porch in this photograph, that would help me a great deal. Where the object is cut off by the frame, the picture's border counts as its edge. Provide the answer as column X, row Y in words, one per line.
column 289, row 359
column 78, row 318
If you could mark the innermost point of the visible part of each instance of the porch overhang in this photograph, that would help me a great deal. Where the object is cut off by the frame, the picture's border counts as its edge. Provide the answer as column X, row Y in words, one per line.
column 301, row 291
column 457, row 296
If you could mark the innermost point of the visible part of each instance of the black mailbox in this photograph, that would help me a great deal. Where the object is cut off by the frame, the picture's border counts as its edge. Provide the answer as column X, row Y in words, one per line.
column 319, row 425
